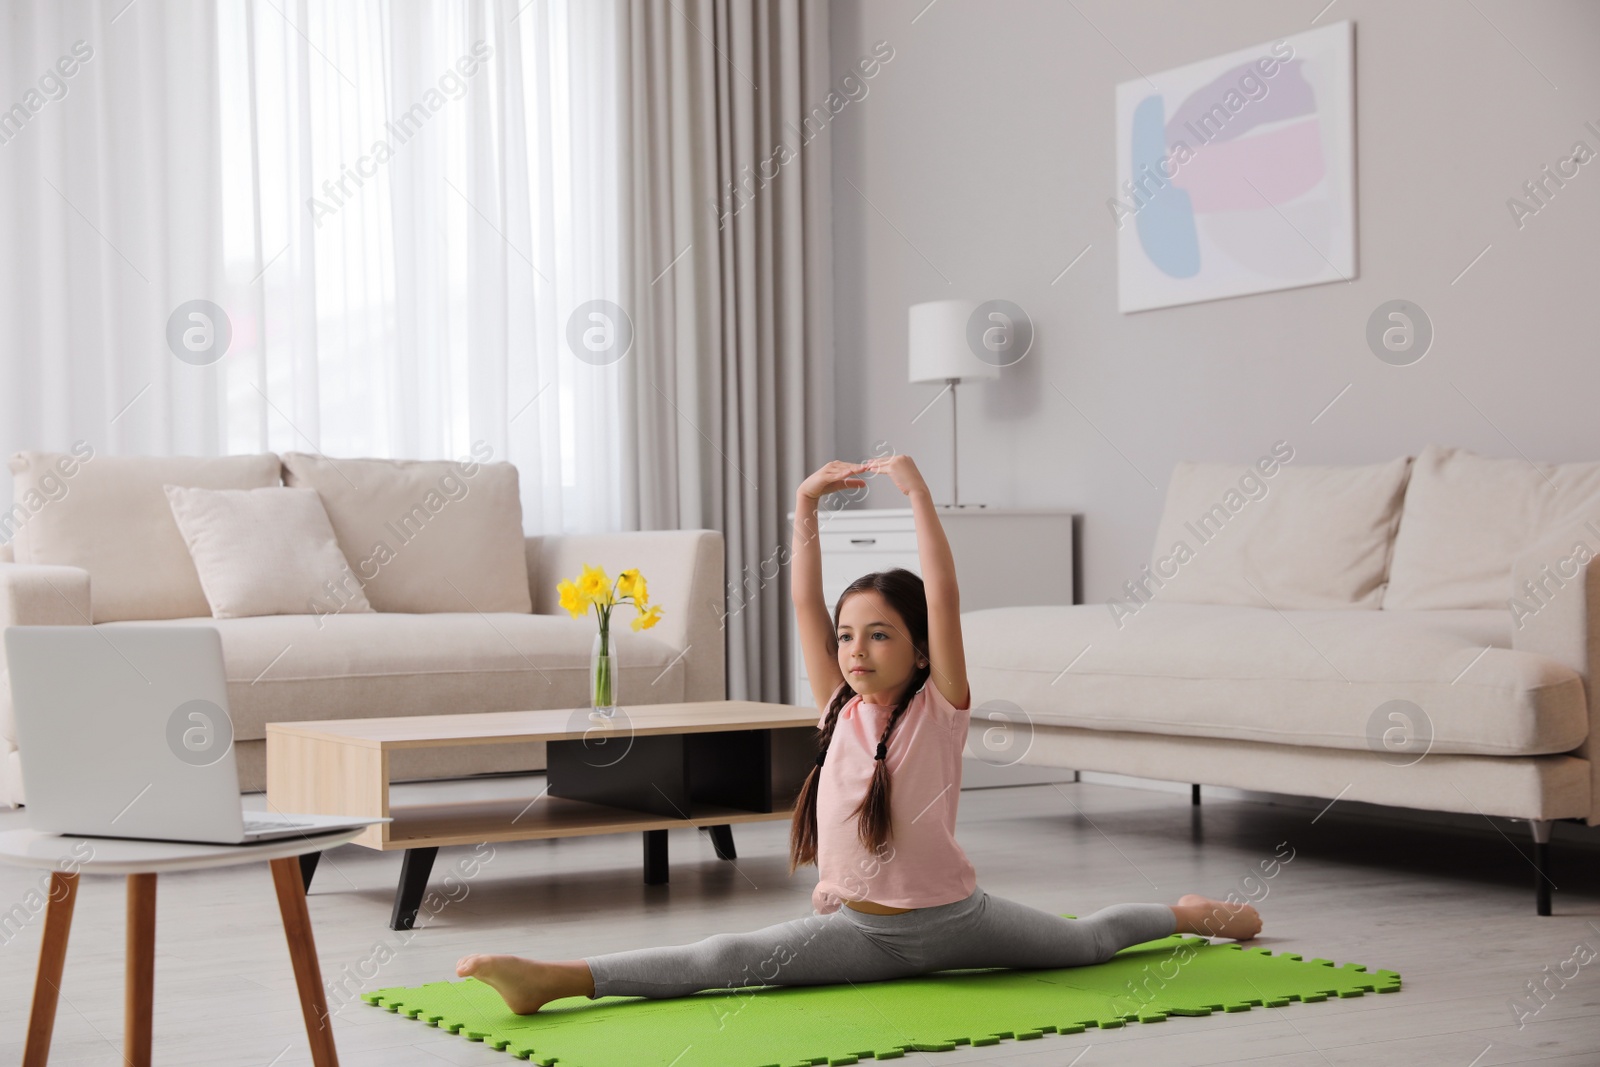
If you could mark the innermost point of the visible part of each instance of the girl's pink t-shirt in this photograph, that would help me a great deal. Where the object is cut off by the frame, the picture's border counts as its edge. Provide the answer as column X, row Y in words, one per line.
column 920, row 866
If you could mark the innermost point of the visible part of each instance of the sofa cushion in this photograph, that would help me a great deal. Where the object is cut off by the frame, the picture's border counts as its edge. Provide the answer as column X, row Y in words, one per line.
column 289, row 668
column 1304, row 677
column 111, row 518
column 425, row 535
column 264, row 551
column 1276, row 534
column 1467, row 517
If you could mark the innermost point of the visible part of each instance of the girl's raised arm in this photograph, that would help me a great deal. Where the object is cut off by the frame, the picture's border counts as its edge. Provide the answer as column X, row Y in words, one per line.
column 947, row 656
column 818, row 642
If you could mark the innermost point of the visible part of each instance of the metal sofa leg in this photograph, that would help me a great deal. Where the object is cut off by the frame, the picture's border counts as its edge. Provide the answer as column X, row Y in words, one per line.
column 1194, row 794
column 1541, row 861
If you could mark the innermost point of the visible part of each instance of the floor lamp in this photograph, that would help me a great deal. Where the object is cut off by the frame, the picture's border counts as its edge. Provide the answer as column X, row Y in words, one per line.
column 941, row 352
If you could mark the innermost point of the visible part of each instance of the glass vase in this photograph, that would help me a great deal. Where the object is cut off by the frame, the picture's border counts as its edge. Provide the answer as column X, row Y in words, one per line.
column 602, row 678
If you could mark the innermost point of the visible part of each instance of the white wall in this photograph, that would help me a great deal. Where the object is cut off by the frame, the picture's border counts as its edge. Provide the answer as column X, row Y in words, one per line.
column 987, row 143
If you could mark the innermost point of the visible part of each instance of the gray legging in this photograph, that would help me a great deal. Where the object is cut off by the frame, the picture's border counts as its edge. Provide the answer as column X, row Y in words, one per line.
column 855, row 946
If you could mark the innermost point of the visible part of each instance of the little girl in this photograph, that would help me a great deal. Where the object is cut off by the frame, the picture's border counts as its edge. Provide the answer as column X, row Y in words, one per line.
column 889, row 676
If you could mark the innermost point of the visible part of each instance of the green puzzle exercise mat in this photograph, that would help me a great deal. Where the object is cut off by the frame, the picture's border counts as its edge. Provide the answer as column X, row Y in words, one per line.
column 811, row 1025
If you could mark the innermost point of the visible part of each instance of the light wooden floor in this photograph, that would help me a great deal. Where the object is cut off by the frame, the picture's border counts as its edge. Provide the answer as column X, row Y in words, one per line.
column 1450, row 909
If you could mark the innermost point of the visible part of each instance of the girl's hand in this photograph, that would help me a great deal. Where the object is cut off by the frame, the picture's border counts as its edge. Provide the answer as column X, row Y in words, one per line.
column 833, row 477
column 902, row 471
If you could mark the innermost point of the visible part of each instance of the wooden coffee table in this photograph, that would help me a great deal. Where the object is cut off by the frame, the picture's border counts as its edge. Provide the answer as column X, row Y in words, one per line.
column 656, row 767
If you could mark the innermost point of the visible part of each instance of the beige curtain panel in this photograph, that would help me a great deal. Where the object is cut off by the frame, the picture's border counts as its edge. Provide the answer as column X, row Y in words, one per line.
column 729, row 253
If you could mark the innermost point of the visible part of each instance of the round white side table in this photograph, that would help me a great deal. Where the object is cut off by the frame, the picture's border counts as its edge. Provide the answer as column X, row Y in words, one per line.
column 141, row 861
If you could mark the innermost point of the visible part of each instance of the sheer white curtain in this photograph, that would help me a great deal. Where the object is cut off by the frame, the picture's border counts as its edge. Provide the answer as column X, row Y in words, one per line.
column 398, row 206
column 109, row 177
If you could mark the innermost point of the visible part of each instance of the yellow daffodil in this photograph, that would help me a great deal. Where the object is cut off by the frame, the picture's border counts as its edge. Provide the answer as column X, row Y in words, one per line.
column 572, row 600
column 593, row 589
column 632, row 584
column 595, row 586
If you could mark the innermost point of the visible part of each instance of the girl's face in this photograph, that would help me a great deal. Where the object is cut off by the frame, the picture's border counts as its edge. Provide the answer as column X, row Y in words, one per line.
column 875, row 652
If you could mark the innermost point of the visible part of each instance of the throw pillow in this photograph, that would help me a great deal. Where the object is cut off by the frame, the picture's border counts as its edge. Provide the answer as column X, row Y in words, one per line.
column 110, row 516
column 1466, row 518
column 265, row 552
column 1273, row 534
column 425, row 535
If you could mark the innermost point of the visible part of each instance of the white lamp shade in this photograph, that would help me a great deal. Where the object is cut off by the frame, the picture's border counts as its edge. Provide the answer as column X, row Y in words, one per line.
column 939, row 347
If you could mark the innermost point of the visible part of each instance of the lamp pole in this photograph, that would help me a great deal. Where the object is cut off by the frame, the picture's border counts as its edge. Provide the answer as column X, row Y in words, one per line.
column 955, row 463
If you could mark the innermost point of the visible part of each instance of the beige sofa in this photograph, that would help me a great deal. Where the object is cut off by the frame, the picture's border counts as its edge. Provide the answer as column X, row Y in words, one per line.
column 99, row 545
column 1421, row 634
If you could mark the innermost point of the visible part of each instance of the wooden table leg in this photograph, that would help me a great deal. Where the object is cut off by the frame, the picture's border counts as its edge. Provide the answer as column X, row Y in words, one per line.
column 52, row 958
column 288, row 881
column 139, row 994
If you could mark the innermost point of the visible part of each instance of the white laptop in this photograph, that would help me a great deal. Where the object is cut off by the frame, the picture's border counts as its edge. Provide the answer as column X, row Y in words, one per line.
column 124, row 731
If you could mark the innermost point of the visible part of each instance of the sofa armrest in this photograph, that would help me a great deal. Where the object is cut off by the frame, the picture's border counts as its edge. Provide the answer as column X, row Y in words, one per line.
column 1555, row 612
column 685, row 572
column 32, row 595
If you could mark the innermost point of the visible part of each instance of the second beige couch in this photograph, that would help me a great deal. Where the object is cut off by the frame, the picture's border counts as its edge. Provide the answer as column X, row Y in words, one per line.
column 1422, row 634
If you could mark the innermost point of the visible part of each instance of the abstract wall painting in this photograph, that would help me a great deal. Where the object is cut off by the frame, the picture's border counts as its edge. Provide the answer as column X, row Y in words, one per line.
column 1236, row 174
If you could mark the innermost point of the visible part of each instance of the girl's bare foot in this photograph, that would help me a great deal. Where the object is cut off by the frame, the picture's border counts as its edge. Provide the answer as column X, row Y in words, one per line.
column 528, row 985
column 1216, row 918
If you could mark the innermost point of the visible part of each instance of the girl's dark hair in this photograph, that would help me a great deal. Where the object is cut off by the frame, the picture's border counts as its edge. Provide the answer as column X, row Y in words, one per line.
column 904, row 593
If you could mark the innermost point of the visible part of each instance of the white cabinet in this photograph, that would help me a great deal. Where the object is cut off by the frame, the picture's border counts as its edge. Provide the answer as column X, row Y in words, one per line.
column 1003, row 558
